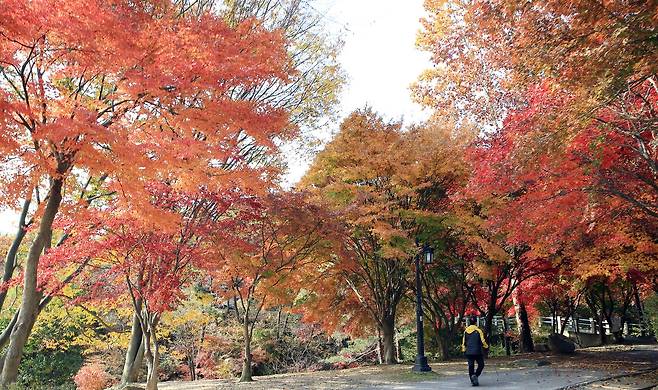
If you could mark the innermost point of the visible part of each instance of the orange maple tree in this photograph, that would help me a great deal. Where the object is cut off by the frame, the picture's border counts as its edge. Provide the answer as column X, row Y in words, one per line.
column 121, row 94
column 389, row 187
column 280, row 244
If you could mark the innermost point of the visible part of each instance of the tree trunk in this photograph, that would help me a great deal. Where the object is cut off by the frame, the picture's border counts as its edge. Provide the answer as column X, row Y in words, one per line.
column 139, row 361
column 398, row 347
column 10, row 259
column 442, row 343
column 599, row 323
column 246, row 361
column 564, row 321
column 4, row 337
column 577, row 327
column 508, row 349
column 285, row 323
column 149, row 325
column 192, row 368
column 278, row 323
column 31, row 296
column 608, row 318
column 133, row 356
column 640, row 310
column 152, row 356
column 380, row 347
column 194, row 354
column 488, row 324
column 388, row 340
column 235, row 307
column 525, row 333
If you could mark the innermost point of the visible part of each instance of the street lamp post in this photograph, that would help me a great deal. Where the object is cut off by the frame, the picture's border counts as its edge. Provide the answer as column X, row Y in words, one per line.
column 421, row 360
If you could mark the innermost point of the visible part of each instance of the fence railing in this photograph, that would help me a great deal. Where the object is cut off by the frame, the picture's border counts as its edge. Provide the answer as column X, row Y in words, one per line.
column 578, row 325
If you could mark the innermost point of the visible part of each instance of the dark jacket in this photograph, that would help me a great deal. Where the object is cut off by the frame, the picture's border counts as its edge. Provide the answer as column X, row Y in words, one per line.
column 473, row 342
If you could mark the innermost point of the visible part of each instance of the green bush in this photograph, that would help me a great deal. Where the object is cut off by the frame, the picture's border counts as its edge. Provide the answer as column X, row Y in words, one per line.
column 540, row 337
column 52, row 354
column 651, row 309
column 47, row 369
column 407, row 339
column 496, row 350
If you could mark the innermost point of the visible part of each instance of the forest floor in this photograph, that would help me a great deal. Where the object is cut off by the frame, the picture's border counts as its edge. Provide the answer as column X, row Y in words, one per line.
column 612, row 367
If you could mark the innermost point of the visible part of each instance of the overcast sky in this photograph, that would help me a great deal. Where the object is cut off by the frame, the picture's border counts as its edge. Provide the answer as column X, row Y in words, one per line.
column 379, row 58
column 379, row 55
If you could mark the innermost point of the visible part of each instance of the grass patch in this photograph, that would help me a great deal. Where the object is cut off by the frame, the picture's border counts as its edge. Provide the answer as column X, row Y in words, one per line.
column 399, row 374
column 410, row 376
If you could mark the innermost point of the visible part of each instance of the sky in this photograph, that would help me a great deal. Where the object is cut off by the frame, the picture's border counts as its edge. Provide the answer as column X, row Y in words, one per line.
column 379, row 58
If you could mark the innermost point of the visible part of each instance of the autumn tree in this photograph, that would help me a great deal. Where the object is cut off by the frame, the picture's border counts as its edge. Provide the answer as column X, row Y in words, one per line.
column 577, row 193
column 562, row 294
column 611, row 299
column 268, row 257
column 309, row 94
column 13, row 247
column 388, row 186
column 488, row 53
column 571, row 89
column 499, row 266
column 97, row 90
column 192, row 325
column 152, row 264
column 522, row 315
column 567, row 89
column 603, row 171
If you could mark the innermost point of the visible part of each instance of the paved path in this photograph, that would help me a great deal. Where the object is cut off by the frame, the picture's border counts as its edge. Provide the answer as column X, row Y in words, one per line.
column 544, row 378
column 591, row 368
column 644, row 381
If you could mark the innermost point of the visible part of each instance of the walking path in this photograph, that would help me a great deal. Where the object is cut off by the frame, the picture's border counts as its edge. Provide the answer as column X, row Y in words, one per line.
column 622, row 367
column 543, row 378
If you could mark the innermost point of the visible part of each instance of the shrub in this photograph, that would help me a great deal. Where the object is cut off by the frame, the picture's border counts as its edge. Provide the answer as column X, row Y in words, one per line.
column 48, row 369
column 357, row 352
column 496, row 350
column 169, row 367
column 651, row 308
column 92, row 377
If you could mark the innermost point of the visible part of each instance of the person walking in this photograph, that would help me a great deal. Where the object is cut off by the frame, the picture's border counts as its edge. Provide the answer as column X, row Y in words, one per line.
column 474, row 347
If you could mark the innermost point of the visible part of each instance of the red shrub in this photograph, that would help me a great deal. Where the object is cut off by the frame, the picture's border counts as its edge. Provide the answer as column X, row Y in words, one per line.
column 92, row 377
